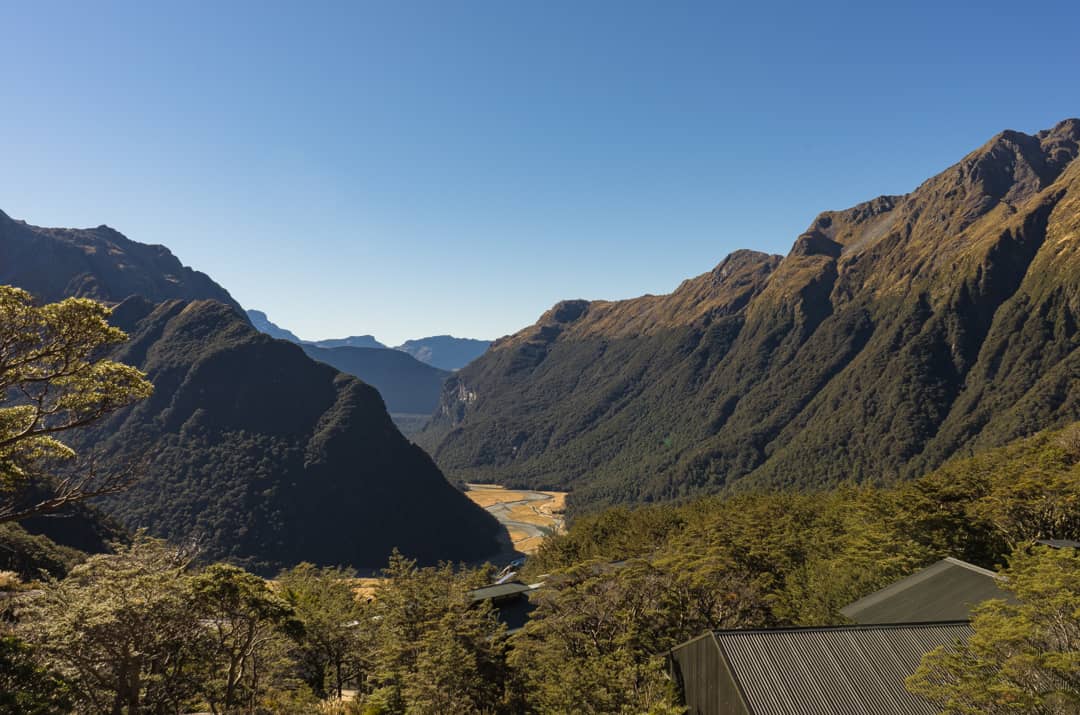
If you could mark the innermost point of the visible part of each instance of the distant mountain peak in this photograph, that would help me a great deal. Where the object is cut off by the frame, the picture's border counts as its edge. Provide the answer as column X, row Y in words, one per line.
column 894, row 335
column 263, row 324
column 445, row 351
column 353, row 341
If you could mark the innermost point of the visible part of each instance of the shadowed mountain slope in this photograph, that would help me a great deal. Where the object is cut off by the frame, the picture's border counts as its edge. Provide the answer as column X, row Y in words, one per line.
column 406, row 384
column 894, row 335
column 268, row 458
column 99, row 263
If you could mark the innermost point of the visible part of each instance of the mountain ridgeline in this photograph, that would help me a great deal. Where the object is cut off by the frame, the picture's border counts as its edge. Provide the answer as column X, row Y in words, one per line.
column 248, row 447
column 98, row 263
column 407, row 385
column 445, row 351
column 893, row 336
column 268, row 458
column 407, row 377
column 441, row 351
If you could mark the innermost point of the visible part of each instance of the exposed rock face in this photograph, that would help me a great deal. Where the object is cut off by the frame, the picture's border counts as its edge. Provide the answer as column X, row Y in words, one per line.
column 895, row 334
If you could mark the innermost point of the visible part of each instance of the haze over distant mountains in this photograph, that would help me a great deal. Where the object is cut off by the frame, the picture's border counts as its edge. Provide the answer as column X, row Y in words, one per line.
column 263, row 455
column 407, row 376
column 445, row 351
column 442, row 351
column 895, row 334
column 407, row 385
column 270, row 457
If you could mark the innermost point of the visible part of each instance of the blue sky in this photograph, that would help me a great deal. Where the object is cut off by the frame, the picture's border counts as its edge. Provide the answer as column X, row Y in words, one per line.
column 414, row 168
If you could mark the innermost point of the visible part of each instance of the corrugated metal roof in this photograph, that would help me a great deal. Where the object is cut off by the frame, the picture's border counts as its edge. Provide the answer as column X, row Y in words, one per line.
column 501, row 590
column 945, row 591
column 1060, row 543
column 842, row 670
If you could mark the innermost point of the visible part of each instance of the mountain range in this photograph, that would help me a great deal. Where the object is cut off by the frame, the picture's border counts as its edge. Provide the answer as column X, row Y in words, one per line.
column 894, row 335
column 268, row 457
column 99, row 263
column 408, row 386
column 444, row 352
column 248, row 446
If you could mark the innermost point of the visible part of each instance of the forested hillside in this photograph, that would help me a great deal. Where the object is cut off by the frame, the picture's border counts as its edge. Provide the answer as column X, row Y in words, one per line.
column 406, row 384
column 268, row 458
column 618, row 591
column 894, row 335
column 262, row 455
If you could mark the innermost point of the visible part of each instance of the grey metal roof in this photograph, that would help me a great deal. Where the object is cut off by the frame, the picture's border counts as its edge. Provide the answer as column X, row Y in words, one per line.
column 501, row 590
column 1060, row 543
column 945, row 591
column 841, row 670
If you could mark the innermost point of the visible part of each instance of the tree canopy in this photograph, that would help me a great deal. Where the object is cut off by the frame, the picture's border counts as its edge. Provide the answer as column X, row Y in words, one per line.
column 52, row 381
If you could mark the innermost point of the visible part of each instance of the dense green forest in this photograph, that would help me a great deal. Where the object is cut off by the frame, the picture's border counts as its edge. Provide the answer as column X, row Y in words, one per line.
column 251, row 448
column 895, row 335
column 268, row 458
column 183, row 501
column 233, row 440
column 621, row 587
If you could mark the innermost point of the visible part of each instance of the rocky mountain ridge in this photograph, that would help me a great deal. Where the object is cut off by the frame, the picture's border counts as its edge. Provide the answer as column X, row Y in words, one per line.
column 894, row 335
column 99, row 263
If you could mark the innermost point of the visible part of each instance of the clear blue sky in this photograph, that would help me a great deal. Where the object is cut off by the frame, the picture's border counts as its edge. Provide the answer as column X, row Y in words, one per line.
column 405, row 168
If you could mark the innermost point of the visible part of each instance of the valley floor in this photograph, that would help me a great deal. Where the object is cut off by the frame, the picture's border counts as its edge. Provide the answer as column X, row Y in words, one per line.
column 529, row 516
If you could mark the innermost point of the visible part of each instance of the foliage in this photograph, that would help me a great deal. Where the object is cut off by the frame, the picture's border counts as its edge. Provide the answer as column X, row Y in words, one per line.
column 242, row 645
column 334, row 648
column 436, row 651
column 119, row 630
column 1023, row 657
column 262, row 486
column 30, row 554
column 52, row 381
column 145, row 628
column 596, row 642
column 25, row 687
column 803, row 555
column 982, row 507
column 882, row 345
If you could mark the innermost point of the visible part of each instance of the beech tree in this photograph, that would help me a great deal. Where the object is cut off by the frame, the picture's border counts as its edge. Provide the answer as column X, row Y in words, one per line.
column 598, row 638
column 1023, row 657
column 435, row 651
column 334, row 648
column 242, row 642
column 52, row 381
column 119, row 630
